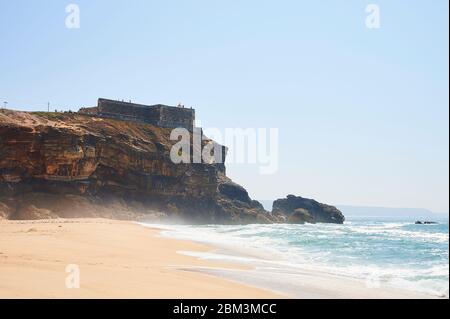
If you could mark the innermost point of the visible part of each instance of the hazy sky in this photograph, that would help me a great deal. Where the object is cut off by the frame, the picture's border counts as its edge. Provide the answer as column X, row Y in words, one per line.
column 362, row 113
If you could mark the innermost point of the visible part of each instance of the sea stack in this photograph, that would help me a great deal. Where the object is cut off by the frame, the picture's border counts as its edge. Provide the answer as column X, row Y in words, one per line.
column 299, row 210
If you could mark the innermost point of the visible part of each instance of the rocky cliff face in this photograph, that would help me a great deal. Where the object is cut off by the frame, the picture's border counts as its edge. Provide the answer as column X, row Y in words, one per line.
column 77, row 165
column 301, row 210
column 74, row 165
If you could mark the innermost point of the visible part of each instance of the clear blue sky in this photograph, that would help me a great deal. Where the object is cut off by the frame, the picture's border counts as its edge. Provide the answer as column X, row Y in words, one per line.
column 363, row 114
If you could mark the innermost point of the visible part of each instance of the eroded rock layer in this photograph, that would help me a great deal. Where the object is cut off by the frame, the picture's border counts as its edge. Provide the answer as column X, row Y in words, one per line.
column 73, row 165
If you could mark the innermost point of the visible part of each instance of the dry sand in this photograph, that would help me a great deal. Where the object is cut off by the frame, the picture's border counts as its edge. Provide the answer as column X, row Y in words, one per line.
column 116, row 260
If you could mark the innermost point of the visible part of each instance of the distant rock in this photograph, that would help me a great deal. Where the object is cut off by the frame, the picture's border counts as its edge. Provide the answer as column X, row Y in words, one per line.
column 425, row 222
column 299, row 210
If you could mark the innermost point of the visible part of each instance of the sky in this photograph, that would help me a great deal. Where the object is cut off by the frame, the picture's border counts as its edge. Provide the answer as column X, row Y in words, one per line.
column 362, row 114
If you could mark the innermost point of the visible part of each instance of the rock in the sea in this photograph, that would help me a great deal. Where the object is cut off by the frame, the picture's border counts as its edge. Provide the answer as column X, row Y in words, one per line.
column 299, row 210
column 425, row 222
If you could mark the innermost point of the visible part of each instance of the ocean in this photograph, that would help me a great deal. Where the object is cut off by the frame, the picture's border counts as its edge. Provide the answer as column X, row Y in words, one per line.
column 385, row 253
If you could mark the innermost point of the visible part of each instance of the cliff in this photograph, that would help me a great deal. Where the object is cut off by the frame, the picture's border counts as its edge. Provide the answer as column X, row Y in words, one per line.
column 79, row 165
column 74, row 165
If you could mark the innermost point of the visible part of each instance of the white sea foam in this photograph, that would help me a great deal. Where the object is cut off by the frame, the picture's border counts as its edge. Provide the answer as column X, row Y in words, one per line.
column 394, row 254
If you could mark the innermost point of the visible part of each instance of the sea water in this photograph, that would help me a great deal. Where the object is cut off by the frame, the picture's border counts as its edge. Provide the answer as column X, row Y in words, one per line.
column 388, row 253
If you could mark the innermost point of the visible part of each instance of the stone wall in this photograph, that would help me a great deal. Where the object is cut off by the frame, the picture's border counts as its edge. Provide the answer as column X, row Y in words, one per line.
column 128, row 111
column 159, row 115
column 176, row 117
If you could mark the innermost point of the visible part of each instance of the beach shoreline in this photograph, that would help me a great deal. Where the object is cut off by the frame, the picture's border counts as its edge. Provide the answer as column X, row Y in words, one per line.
column 115, row 259
column 121, row 259
column 267, row 270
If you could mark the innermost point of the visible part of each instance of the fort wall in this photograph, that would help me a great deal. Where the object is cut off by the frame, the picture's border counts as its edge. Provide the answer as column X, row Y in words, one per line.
column 159, row 115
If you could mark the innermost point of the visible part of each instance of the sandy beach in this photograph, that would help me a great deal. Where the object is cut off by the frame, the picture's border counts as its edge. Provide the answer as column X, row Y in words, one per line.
column 115, row 260
column 118, row 259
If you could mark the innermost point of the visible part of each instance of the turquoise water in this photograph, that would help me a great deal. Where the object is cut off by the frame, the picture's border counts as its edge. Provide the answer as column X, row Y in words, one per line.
column 387, row 253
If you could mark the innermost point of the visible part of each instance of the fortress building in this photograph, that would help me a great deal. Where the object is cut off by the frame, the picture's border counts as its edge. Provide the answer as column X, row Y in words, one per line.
column 159, row 114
